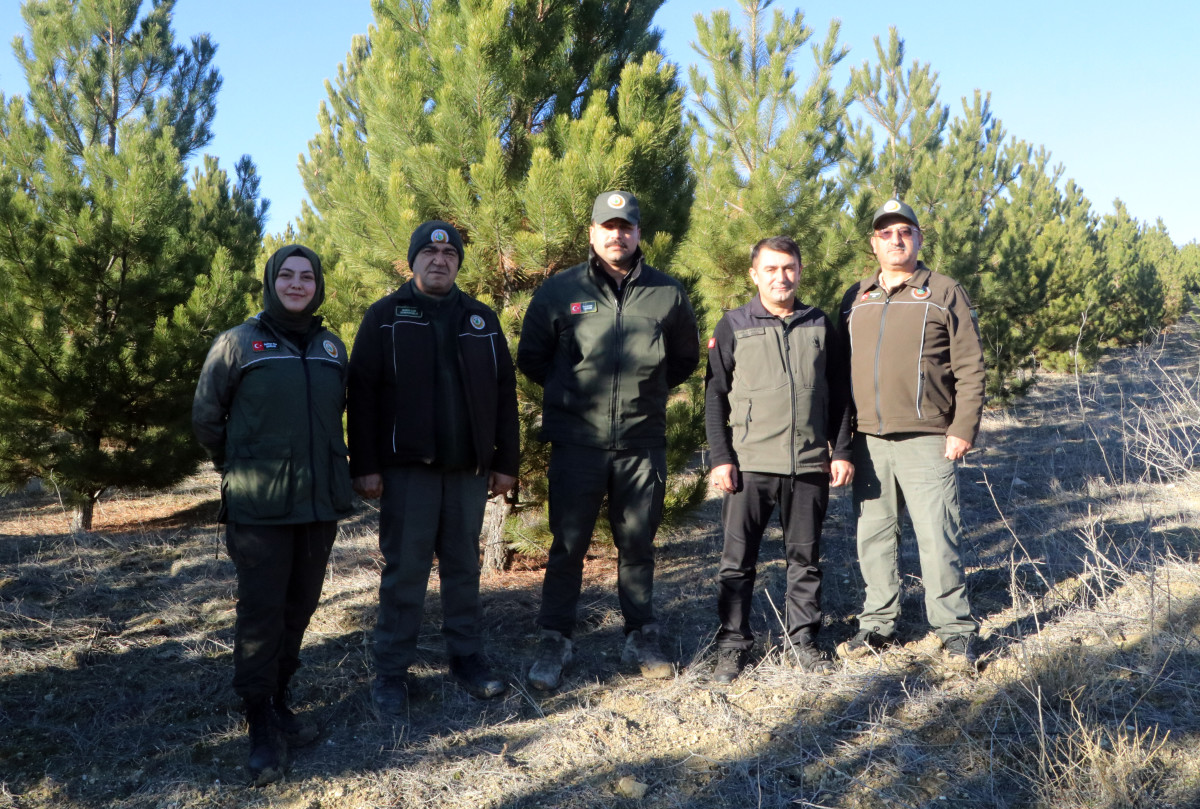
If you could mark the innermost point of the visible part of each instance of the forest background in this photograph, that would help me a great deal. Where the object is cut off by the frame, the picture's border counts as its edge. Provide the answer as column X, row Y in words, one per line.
column 124, row 249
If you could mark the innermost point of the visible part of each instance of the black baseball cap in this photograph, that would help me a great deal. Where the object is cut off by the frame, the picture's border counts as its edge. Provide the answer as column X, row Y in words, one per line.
column 616, row 205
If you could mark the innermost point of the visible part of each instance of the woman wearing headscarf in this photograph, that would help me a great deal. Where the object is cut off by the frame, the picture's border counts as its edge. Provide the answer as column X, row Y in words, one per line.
column 268, row 410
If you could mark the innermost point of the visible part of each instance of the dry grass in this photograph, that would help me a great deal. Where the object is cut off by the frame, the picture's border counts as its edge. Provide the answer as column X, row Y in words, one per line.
column 115, row 653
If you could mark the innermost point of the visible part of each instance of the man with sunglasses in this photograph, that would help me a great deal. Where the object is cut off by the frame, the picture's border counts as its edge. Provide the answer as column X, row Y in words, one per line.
column 917, row 384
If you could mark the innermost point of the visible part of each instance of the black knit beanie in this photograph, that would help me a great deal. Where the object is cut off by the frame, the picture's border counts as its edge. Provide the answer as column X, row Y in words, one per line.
column 435, row 231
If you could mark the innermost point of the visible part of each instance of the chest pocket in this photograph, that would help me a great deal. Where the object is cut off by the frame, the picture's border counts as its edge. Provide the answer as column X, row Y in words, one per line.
column 758, row 359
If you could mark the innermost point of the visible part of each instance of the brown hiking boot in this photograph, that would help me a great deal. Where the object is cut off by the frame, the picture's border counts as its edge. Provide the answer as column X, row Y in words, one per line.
column 807, row 657
column 864, row 642
column 730, row 663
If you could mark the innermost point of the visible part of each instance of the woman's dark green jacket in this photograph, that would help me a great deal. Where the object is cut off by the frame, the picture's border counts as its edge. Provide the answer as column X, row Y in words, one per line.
column 270, row 416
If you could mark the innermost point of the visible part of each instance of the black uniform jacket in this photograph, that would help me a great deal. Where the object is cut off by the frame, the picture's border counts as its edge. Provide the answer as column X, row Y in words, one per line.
column 607, row 363
column 391, row 413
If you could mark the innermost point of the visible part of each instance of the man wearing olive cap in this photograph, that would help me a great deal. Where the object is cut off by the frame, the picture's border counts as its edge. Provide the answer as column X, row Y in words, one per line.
column 607, row 340
column 432, row 422
column 917, row 382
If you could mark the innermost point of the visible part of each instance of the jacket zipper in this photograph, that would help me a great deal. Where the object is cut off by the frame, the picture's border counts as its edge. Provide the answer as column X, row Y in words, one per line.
column 311, row 449
column 787, row 363
column 878, row 350
column 618, row 339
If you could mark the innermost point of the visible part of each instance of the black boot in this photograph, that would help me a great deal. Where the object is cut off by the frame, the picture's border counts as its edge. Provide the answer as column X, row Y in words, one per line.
column 268, row 751
column 296, row 730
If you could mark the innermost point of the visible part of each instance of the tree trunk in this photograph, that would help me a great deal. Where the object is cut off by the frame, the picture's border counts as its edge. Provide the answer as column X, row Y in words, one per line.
column 495, row 553
column 81, row 517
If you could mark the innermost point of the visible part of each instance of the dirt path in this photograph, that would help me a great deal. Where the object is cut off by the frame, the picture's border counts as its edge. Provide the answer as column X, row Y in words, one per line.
column 115, row 656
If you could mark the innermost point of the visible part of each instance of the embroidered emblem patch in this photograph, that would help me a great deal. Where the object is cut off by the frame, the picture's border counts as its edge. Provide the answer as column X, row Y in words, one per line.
column 265, row 345
column 873, row 295
column 477, row 321
column 583, row 308
column 712, row 343
column 407, row 311
column 891, row 205
column 616, row 201
column 922, row 293
column 330, row 348
column 439, row 236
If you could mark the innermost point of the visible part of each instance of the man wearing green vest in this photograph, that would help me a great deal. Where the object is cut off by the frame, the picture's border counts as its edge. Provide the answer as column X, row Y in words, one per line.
column 779, row 435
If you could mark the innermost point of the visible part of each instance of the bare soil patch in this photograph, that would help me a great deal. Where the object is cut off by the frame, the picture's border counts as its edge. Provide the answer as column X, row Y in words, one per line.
column 115, row 654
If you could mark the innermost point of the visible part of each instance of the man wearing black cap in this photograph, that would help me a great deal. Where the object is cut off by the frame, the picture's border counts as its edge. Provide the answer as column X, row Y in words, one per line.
column 432, row 423
column 607, row 340
column 917, row 380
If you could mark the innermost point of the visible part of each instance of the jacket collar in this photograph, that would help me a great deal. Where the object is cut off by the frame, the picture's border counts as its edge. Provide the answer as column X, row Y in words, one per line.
column 601, row 277
column 757, row 309
column 918, row 279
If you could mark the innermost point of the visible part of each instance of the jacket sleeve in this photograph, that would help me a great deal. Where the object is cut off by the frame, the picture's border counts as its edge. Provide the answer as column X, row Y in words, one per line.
column 843, row 329
column 507, row 459
column 538, row 341
column 966, row 363
column 362, row 397
column 837, row 377
column 219, row 379
column 682, row 343
column 718, row 379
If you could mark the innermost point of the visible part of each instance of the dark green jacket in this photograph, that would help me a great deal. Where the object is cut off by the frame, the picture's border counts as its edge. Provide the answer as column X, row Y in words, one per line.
column 270, row 417
column 776, row 395
column 607, row 364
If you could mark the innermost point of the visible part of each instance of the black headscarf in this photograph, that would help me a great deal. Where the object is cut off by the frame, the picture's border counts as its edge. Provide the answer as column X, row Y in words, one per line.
column 273, row 307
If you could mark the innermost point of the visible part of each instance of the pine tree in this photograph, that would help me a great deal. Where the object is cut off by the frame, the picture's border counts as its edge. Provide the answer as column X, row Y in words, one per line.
column 1075, row 289
column 115, row 271
column 1135, row 307
column 765, row 151
column 505, row 118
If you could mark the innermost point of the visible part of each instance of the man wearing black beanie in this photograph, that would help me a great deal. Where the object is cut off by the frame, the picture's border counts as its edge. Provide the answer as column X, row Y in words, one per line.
column 432, row 423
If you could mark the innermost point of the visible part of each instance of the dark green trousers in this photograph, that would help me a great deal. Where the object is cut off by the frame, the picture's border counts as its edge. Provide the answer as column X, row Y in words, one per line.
column 280, row 571
column 426, row 513
column 635, row 484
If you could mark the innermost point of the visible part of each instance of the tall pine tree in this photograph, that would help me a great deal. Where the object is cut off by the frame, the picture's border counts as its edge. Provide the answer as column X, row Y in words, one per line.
column 115, row 271
column 766, row 152
column 505, row 118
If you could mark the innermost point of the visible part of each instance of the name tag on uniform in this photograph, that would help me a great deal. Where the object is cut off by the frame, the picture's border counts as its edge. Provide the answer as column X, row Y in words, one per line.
column 407, row 311
column 583, row 308
column 749, row 332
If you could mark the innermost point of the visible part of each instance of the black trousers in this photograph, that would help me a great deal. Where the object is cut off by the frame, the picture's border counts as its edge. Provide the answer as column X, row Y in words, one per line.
column 280, row 571
column 802, row 502
column 635, row 483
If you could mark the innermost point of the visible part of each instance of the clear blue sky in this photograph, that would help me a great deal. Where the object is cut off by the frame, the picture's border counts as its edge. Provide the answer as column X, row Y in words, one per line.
column 1109, row 89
